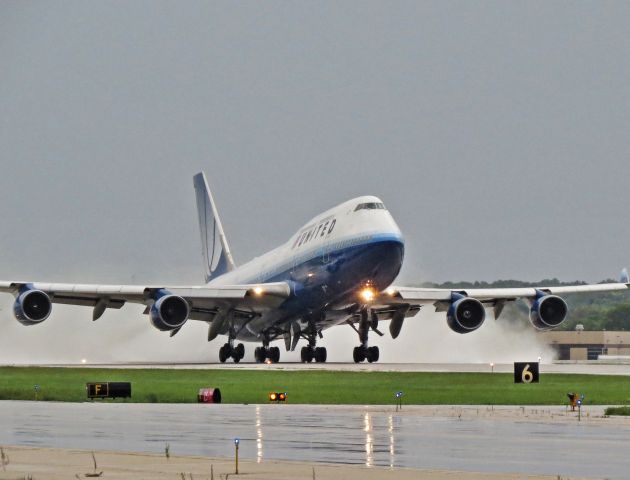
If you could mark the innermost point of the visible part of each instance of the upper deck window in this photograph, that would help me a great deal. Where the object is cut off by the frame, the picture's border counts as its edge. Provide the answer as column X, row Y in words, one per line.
column 370, row 206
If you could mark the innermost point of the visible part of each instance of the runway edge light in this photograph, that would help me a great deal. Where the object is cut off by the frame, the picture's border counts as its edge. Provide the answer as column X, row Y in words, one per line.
column 398, row 396
column 277, row 396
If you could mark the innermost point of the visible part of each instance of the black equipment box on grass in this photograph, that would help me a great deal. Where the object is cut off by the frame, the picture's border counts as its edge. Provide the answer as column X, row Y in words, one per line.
column 108, row 390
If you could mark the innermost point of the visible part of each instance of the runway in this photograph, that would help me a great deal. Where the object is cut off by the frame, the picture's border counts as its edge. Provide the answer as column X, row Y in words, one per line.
column 593, row 368
column 532, row 440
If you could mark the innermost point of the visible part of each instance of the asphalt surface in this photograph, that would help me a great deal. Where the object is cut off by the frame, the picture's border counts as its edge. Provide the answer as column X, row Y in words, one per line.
column 417, row 437
column 593, row 367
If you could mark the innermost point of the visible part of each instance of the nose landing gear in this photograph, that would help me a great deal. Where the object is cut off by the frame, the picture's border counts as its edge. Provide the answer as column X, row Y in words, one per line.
column 364, row 352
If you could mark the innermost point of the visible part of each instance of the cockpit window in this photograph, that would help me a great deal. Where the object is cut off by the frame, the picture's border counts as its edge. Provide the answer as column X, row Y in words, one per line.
column 370, row 206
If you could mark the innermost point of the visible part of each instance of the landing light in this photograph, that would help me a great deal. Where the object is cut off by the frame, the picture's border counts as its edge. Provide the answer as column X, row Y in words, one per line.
column 367, row 294
column 258, row 291
column 390, row 291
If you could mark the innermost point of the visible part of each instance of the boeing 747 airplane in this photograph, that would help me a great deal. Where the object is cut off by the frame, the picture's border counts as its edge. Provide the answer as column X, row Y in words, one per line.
column 337, row 269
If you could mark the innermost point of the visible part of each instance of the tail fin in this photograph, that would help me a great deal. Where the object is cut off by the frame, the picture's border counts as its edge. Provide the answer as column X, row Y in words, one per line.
column 216, row 253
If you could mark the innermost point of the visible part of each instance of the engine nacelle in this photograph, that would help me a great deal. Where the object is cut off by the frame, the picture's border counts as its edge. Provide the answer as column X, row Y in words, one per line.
column 169, row 312
column 548, row 311
column 32, row 307
column 465, row 314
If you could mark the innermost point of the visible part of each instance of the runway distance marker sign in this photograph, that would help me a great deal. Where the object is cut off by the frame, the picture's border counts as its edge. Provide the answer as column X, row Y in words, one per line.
column 526, row 372
column 108, row 390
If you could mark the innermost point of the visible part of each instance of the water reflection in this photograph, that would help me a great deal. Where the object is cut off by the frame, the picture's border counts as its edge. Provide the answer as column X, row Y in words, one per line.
column 369, row 439
column 259, row 436
column 390, row 431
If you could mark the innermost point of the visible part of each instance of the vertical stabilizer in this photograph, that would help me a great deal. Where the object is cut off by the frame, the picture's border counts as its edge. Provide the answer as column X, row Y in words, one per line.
column 216, row 253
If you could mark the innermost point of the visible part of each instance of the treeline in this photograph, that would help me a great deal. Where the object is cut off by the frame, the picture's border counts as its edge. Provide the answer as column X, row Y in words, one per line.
column 596, row 311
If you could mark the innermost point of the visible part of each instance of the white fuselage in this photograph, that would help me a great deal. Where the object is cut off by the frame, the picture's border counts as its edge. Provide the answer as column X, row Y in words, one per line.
column 350, row 229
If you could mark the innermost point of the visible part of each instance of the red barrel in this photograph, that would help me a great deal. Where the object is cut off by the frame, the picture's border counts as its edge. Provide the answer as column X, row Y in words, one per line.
column 209, row 395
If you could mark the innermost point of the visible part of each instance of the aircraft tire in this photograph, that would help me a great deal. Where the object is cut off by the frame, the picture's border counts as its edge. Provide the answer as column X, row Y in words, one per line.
column 320, row 354
column 274, row 354
column 372, row 354
column 222, row 354
column 358, row 354
column 239, row 351
column 306, row 354
column 260, row 354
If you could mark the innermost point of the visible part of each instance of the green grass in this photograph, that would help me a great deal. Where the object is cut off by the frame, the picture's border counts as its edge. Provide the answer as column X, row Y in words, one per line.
column 320, row 387
column 617, row 411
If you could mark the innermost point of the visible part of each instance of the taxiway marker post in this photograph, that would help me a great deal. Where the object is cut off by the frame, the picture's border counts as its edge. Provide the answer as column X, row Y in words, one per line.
column 236, row 442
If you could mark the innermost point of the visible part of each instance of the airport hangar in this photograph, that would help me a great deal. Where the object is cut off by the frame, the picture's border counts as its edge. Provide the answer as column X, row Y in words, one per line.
column 579, row 345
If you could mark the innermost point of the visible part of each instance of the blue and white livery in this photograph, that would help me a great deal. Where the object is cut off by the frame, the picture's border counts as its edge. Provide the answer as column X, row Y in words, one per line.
column 337, row 269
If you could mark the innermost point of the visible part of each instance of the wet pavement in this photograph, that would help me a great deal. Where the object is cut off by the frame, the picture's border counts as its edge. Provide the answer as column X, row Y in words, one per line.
column 371, row 436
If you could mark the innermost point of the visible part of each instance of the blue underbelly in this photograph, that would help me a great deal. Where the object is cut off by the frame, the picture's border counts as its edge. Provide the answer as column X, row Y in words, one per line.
column 329, row 278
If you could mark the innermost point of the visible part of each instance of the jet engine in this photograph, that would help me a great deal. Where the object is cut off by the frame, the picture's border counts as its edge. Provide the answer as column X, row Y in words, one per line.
column 32, row 307
column 169, row 312
column 548, row 311
column 465, row 314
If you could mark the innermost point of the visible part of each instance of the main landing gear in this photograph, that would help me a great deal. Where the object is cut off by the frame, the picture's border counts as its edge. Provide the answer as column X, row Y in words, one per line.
column 230, row 351
column 266, row 352
column 363, row 352
column 311, row 351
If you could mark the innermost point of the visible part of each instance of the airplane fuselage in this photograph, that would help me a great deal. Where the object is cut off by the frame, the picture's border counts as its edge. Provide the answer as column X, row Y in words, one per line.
column 326, row 262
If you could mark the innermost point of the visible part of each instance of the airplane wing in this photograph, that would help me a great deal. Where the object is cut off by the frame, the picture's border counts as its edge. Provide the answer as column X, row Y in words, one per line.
column 466, row 307
column 34, row 300
column 488, row 296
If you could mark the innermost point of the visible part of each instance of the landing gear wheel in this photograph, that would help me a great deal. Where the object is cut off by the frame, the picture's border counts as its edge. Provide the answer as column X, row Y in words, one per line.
column 372, row 354
column 274, row 354
column 320, row 354
column 306, row 354
column 223, row 354
column 260, row 354
column 239, row 352
column 358, row 354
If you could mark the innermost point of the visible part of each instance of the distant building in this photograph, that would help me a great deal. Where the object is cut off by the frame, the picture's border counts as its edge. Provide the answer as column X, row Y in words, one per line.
column 585, row 345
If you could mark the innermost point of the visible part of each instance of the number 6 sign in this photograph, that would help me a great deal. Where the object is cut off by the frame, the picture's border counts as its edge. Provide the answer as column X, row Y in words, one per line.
column 525, row 372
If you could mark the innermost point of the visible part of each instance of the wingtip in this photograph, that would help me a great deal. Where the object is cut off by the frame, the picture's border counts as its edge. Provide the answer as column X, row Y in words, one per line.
column 624, row 277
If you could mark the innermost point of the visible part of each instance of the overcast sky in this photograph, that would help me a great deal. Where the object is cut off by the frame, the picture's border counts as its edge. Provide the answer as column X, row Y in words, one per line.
column 497, row 133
